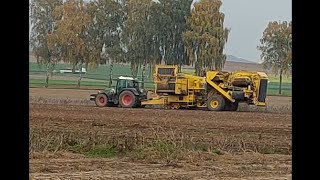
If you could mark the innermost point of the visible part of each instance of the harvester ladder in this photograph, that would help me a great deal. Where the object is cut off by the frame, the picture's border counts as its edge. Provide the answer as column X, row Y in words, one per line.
column 190, row 99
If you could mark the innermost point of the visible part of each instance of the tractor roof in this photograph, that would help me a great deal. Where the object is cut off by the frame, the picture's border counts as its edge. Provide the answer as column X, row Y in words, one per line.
column 126, row 78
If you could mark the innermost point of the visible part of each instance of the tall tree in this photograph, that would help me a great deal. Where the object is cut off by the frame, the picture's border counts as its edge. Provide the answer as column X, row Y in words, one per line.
column 109, row 17
column 171, row 16
column 71, row 33
column 94, row 37
column 206, row 36
column 139, row 34
column 43, row 23
column 276, row 48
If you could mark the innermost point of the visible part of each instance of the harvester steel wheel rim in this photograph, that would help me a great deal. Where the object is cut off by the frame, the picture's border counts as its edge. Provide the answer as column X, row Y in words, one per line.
column 214, row 103
column 101, row 100
column 126, row 100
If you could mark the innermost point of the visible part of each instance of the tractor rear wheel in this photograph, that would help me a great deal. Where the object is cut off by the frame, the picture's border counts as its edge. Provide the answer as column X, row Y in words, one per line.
column 101, row 100
column 216, row 103
column 127, row 99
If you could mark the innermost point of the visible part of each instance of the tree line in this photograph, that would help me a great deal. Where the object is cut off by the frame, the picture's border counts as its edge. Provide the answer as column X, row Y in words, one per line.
column 141, row 33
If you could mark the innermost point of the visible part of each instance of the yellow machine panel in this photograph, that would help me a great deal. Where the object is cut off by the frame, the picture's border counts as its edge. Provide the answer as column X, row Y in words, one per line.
column 176, row 87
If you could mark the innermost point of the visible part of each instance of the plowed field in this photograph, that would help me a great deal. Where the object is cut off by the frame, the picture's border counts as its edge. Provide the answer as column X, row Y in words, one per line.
column 65, row 137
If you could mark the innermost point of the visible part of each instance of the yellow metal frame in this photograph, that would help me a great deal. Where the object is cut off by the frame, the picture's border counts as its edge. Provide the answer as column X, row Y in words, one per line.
column 155, row 101
column 260, row 103
column 185, row 88
column 210, row 75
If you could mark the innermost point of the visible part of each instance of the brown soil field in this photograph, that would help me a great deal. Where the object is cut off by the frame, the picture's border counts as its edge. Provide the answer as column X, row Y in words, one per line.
column 155, row 143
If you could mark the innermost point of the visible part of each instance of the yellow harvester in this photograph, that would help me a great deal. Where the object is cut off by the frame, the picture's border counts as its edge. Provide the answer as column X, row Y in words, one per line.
column 216, row 91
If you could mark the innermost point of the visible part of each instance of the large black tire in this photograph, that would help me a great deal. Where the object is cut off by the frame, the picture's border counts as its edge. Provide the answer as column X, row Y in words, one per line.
column 216, row 103
column 101, row 100
column 231, row 106
column 127, row 99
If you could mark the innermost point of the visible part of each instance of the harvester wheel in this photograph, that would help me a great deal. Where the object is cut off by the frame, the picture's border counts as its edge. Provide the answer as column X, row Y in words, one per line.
column 231, row 106
column 127, row 99
column 101, row 100
column 216, row 103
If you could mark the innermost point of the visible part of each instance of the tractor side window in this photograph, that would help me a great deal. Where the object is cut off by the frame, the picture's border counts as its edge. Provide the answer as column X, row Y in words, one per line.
column 130, row 84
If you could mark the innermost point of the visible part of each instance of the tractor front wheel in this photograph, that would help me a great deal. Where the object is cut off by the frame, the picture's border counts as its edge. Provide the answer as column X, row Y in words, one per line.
column 101, row 100
column 127, row 99
column 216, row 103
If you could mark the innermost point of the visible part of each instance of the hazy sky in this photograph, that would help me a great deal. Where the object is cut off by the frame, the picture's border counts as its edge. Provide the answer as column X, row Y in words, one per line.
column 247, row 20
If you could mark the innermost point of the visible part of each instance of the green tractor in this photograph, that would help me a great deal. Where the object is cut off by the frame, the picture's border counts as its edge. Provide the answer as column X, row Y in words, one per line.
column 127, row 94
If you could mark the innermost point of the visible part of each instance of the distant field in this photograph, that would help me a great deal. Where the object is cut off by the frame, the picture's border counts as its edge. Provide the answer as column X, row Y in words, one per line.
column 285, row 78
column 101, row 72
column 37, row 74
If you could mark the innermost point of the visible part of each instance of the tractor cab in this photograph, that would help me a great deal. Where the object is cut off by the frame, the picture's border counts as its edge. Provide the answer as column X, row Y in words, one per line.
column 126, row 94
column 126, row 82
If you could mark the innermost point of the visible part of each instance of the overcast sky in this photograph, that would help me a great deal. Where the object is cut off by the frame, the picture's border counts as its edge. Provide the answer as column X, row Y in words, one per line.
column 247, row 20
